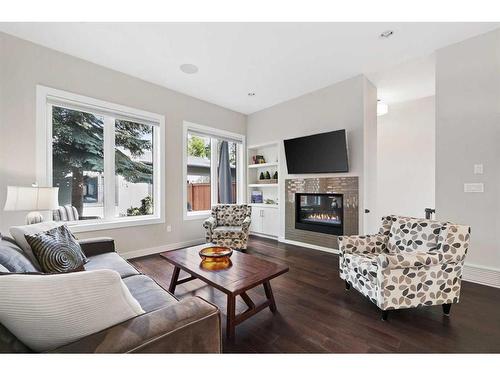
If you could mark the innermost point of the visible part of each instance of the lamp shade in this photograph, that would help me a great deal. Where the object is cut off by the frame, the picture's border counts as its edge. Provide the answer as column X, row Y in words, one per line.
column 22, row 198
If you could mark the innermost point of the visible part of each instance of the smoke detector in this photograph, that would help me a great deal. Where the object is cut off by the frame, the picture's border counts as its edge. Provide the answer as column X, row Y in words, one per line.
column 189, row 68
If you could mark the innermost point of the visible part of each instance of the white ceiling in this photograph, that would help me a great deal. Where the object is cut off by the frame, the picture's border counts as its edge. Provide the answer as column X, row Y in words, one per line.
column 277, row 61
column 409, row 80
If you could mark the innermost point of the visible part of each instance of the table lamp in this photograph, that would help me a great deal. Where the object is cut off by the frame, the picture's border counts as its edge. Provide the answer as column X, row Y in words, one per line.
column 33, row 198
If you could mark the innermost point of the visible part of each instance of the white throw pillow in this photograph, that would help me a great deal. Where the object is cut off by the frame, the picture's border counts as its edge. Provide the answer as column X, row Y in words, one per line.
column 48, row 311
column 18, row 233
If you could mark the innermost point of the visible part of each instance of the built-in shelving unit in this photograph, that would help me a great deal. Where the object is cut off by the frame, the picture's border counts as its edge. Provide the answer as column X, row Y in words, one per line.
column 263, row 165
column 264, row 205
column 265, row 216
column 263, row 185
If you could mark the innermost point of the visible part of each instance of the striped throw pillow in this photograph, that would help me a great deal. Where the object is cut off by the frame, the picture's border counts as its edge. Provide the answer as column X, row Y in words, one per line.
column 57, row 250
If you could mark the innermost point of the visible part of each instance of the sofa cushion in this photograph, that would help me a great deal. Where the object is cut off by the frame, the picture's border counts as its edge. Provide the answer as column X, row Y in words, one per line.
column 10, row 343
column 57, row 250
column 12, row 258
column 227, row 232
column 48, row 311
column 148, row 293
column 110, row 261
column 412, row 234
column 18, row 232
column 231, row 214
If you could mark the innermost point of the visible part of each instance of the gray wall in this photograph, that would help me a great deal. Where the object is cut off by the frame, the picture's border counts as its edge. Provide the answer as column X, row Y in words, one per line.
column 468, row 133
column 24, row 65
column 406, row 158
column 339, row 106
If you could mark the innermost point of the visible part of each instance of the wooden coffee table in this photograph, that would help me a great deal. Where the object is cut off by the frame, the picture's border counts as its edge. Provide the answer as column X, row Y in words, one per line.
column 247, row 272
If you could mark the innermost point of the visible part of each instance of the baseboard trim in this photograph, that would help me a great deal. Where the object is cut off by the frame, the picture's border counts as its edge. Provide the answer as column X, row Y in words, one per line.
column 161, row 249
column 263, row 235
column 308, row 245
column 481, row 275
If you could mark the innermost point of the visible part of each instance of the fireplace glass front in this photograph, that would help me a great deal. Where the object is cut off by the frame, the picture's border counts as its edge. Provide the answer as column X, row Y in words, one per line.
column 319, row 212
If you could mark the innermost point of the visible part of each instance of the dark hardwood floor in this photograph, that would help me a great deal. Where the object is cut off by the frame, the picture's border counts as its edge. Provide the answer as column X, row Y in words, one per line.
column 316, row 314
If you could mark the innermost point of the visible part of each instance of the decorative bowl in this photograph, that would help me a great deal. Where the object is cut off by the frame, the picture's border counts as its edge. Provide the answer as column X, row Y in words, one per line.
column 215, row 257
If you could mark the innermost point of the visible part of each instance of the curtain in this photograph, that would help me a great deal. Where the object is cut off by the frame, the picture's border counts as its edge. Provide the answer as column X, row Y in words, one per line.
column 224, row 177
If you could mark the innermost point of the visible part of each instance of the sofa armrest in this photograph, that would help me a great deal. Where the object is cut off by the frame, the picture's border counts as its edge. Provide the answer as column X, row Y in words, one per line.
column 245, row 225
column 376, row 243
column 190, row 326
column 96, row 246
column 209, row 223
column 416, row 259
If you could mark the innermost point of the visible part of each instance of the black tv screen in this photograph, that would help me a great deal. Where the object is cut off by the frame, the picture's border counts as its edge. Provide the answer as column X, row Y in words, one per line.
column 319, row 153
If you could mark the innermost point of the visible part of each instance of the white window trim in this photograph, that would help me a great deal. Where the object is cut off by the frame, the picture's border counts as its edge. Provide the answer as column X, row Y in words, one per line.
column 240, row 183
column 45, row 96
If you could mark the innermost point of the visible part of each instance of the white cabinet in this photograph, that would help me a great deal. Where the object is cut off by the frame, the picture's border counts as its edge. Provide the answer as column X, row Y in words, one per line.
column 265, row 213
column 256, row 225
column 265, row 220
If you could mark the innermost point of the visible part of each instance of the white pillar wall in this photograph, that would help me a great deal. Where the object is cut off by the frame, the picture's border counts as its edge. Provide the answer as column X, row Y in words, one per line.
column 406, row 158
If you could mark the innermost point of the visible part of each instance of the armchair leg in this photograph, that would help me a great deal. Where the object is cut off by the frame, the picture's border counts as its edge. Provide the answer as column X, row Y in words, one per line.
column 347, row 285
column 446, row 309
column 385, row 315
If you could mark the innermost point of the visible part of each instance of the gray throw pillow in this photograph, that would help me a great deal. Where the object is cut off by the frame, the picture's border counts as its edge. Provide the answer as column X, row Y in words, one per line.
column 18, row 232
column 13, row 258
column 57, row 250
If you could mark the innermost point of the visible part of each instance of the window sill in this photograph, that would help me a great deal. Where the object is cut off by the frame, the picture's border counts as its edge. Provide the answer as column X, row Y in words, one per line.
column 93, row 225
column 198, row 215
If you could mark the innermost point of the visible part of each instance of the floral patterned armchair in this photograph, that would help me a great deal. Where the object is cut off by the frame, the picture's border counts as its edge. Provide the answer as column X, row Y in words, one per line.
column 410, row 263
column 229, row 225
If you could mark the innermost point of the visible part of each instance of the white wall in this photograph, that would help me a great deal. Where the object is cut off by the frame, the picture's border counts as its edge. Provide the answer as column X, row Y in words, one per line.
column 468, row 133
column 339, row 106
column 406, row 158
column 371, row 219
column 23, row 65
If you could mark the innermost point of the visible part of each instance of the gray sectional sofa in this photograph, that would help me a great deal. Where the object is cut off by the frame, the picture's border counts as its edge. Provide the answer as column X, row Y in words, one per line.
column 168, row 325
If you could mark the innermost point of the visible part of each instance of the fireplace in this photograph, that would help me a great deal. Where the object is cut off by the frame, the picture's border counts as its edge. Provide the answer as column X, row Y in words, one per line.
column 318, row 212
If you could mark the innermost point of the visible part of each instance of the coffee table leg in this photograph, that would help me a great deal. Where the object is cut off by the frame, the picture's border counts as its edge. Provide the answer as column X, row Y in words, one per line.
column 270, row 296
column 173, row 281
column 231, row 316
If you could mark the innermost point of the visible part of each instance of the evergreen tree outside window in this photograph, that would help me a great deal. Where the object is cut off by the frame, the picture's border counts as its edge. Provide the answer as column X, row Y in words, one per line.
column 107, row 164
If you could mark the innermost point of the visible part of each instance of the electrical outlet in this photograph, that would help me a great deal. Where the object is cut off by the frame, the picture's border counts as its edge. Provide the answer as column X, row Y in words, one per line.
column 169, row 228
column 474, row 187
column 478, row 169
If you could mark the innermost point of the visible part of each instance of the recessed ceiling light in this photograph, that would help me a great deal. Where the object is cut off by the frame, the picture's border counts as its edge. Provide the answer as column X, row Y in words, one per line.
column 189, row 68
column 251, row 94
column 386, row 34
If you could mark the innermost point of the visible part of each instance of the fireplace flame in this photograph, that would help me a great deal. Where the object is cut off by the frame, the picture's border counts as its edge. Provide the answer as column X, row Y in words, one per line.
column 326, row 217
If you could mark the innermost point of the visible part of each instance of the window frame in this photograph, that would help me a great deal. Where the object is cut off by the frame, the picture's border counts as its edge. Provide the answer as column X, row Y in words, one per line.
column 240, row 166
column 46, row 97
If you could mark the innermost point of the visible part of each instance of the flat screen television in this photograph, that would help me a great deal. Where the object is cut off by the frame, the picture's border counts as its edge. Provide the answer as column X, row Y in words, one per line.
column 318, row 153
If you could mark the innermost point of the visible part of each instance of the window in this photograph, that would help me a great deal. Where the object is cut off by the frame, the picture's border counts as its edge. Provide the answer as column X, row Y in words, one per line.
column 106, row 159
column 212, row 169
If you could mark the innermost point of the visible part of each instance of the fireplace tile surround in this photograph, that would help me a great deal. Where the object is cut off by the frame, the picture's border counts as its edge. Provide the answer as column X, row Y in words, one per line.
column 347, row 186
